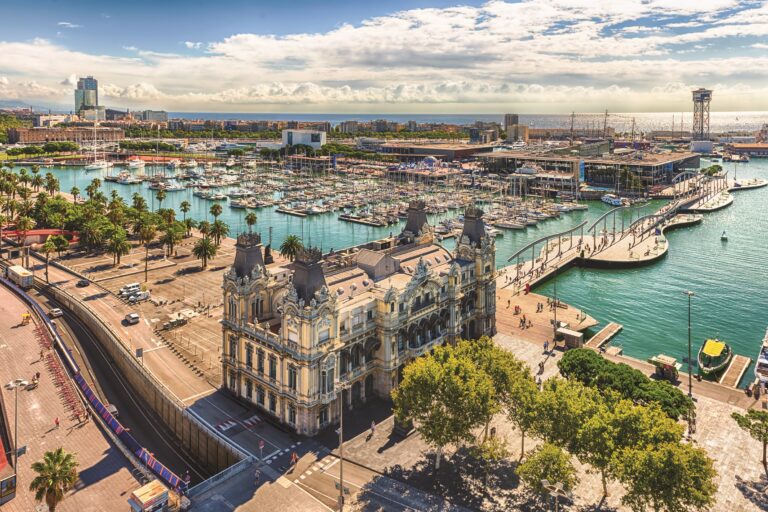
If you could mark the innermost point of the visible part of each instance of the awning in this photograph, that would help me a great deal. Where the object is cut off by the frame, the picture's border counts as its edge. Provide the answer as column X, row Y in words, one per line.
column 713, row 348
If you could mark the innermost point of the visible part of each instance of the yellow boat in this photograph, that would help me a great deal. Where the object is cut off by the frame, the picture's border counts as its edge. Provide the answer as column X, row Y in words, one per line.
column 714, row 356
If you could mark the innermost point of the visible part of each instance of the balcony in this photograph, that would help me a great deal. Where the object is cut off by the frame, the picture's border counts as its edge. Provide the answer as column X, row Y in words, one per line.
column 327, row 398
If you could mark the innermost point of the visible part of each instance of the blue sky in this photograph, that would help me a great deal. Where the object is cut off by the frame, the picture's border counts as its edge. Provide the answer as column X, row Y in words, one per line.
column 434, row 56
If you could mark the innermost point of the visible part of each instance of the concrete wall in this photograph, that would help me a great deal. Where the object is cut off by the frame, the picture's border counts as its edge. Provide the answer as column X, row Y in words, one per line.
column 211, row 451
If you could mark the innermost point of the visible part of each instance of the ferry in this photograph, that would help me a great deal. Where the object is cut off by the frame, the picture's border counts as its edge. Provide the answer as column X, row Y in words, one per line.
column 714, row 356
column 761, row 366
column 613, row 200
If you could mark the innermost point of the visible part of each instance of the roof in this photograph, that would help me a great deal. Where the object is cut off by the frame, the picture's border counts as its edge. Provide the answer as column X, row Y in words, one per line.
column 713, row 348
column 649, row 158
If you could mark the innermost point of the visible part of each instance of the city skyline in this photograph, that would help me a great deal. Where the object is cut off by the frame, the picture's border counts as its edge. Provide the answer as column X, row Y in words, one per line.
column 425, row 57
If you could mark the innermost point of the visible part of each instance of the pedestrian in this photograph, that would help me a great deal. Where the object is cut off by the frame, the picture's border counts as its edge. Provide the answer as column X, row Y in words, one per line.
column 56, row 422
column 294, row 459
column 373, row 427
column 546, row 346
column 42, row 352
column 257, row 476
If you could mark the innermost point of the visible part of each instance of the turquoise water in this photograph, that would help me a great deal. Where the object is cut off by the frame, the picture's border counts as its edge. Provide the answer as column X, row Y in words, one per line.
column 730, row 279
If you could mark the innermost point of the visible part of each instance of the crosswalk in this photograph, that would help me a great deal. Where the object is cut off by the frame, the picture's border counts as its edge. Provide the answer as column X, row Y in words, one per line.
column 248, row 423
column 226, row 425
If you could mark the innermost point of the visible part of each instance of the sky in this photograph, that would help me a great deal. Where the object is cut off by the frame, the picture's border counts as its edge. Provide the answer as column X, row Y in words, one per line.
column 432, row 56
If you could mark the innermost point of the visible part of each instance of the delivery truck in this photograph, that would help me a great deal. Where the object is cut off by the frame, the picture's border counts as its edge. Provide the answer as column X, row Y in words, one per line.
column 21, row 277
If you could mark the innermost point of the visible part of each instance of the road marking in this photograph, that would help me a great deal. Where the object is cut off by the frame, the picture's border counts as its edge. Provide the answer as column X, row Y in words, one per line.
column 153, row 349
column 303, row 477
column 194, row 396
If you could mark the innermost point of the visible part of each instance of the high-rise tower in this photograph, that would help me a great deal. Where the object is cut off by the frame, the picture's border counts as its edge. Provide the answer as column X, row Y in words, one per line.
column 86, row 94
column 701, row 99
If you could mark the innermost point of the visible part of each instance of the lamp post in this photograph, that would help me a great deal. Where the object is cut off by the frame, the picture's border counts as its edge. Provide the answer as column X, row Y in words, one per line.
column 690, row 378
column 554, row 308
column 15, row 385
column 341, row 386
column 556, row 491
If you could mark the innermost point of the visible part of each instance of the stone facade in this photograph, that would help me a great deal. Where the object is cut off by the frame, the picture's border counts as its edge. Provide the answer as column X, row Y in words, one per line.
column 293, row 330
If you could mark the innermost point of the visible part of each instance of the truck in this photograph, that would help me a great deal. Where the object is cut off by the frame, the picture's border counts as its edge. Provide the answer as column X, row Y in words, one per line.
column 21, row 277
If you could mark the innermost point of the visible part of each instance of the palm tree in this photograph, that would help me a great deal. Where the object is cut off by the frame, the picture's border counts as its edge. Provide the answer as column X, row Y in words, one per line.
column 215, row 210
column 56, row 474
column 173, row 234
column 118, row 246
column 204, row 250
column 37, row 182
column 139, row 203
column 160, row 196
column 48, row 247
column 185, row 207
column 291, row 247
column 204, row 227
column 188, row 225
column 24, row 224
column 250, row 219
column 75, row 193
column 146, row 235
column 219, row 230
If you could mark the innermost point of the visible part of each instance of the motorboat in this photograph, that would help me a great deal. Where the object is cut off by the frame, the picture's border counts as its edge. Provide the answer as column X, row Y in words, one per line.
column 761, row 366
column 613, row 200
column 724, row 237
column 714, row 356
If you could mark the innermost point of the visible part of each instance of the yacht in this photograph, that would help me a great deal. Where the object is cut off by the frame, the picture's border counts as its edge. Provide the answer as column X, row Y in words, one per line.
column 97, row 165
column 136, row 163
column 612, row 199
column 761, row 366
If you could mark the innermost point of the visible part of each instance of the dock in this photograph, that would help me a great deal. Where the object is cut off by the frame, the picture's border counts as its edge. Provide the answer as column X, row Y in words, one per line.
column 366, row 221
column 735, row 371
column 289, row 211
column 604, row 336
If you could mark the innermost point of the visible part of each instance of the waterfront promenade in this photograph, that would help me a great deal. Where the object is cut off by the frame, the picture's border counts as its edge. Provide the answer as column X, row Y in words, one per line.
column 106, row 479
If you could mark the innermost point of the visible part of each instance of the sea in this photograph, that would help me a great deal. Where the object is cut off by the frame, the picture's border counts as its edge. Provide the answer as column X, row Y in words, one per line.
column 729, row 279
column 622, row 122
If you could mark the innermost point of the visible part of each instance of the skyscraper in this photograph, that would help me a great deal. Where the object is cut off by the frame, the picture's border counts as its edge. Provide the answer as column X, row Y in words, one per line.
column 86, row 94
column 510, row 119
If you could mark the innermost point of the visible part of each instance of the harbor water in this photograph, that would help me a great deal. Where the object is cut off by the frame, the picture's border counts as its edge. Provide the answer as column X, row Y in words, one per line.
column 730, row 279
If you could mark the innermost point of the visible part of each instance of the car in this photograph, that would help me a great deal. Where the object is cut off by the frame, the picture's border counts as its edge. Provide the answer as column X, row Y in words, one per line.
column 138, row 297
column 55, row 313
column 83, row 283
column 112, row 410
column 132, row 318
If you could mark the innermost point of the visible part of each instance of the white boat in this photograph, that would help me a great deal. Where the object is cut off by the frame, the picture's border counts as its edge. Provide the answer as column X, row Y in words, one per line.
column 125, row 178
column 136, row 163
column 612, row 199
column 98, row 165
column 724, row 237
column 761, row 366
column 173, row 164
column 189, row 164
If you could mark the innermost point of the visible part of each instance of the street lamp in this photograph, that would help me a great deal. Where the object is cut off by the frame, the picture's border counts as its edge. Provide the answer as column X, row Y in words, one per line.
column 341, row 386
column 556, row 491
column 15, row 385
column 690, row 379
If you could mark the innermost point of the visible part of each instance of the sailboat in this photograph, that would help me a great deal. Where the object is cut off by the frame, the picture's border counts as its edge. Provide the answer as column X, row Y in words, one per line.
column 97, row 164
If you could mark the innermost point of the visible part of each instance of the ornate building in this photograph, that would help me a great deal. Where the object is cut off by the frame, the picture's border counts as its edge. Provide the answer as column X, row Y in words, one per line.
column 293, row 330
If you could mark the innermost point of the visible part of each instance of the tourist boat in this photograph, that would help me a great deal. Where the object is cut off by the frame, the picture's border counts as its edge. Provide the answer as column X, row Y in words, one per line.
column 761, row 366
column 612, row 199
column 507, row 224
column 714, row 356
column 724, row 237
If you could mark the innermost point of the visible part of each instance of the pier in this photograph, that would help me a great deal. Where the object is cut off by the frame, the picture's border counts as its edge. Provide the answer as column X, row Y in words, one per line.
column 735, row 371
column 604, row 336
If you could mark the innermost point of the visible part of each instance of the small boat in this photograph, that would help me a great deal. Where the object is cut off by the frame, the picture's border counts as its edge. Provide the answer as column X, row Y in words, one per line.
column 613, row 200
column 761, row 366
column 724, row 237
column 98, row 165
column 714, row 356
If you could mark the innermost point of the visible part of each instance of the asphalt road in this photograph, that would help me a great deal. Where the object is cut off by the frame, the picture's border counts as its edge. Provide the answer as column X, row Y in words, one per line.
column 111, row 387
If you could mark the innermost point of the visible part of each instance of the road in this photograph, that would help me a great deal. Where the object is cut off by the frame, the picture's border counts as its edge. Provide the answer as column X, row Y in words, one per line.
column 100, row 372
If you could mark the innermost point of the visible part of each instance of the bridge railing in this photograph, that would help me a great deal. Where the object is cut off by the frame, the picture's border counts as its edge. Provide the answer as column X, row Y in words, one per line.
column 544, row 239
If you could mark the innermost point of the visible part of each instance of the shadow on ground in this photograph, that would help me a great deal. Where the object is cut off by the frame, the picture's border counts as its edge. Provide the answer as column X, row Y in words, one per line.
column 754, row 491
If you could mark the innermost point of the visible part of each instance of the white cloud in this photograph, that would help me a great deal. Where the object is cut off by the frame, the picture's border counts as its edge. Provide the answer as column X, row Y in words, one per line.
column 67, row 24
column 539, row 54
column 760, row 46
column 4, row 80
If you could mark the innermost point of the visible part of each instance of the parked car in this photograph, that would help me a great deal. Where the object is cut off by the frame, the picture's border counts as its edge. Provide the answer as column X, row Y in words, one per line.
column 55, row 313
column 132, row 318
column 112, row 410
column 83, row 283
column 138, row 297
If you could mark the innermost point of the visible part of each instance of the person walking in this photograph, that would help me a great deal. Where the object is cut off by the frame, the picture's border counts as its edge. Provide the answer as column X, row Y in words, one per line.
column 294, row 459
column 373, row 428
column 257, row 476
column 56, row 422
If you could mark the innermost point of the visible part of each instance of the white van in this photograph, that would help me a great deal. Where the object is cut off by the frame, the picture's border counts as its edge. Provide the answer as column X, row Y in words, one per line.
column 129, row 289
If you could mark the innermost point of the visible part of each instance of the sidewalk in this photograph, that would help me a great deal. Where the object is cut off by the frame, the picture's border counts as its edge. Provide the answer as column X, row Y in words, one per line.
column 105, row 478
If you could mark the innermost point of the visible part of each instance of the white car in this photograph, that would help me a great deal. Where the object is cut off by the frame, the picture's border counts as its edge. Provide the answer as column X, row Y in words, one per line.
column 132, row 318
column 55, row 313
column 138, row 297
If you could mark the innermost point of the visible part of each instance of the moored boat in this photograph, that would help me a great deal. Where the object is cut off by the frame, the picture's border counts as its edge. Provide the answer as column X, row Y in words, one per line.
column 761, row 366
column 714, row 356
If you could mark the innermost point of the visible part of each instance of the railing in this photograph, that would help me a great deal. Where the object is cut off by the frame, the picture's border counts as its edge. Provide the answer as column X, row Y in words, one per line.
column 231, row 471
column 544, row 239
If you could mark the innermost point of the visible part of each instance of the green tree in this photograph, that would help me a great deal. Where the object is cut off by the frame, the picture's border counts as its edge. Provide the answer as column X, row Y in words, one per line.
column 185, row 206
column 215, row 210
column 48, row 247
column 146, row 235
column 118, row 245
column 56, row 475
column 160, row 196
column 492, row 450
column 671, row 477
column 75, row 193
column 522, row 405
column 172, row 234
column 290, row 247
column 204, row 249
column 755, row 423
column 250, row 219
column 563, row 407
column 138, row 202
column 219, row 230
column 60, row 243
column 547, row 462
column 446, row 396
column 25, row 224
